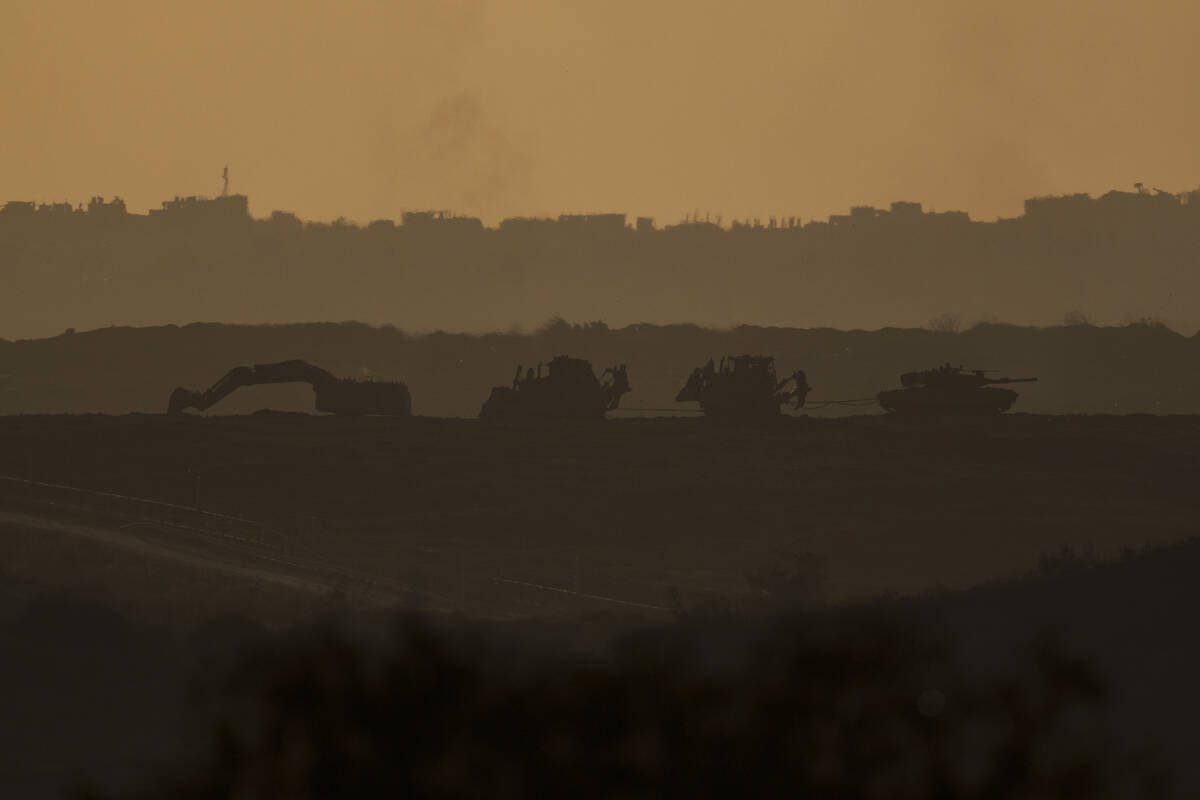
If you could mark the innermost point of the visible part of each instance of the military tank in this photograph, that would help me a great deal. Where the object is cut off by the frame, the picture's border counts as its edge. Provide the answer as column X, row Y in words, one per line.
column 743, row 387
column 950, row 390
column 568, row 390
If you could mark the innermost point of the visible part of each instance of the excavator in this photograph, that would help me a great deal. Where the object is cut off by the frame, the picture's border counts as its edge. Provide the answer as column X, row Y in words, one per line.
column 344, row 396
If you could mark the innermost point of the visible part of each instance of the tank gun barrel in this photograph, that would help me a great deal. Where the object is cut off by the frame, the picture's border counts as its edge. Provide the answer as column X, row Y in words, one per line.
column 1011, row 380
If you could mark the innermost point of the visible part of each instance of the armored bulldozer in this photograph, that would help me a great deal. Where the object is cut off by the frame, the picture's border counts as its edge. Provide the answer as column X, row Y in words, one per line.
column 743, row 387
column 950, row 390
column 568, row 390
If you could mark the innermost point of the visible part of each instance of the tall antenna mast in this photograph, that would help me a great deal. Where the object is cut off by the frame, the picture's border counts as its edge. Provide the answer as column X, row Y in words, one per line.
column 225, row 178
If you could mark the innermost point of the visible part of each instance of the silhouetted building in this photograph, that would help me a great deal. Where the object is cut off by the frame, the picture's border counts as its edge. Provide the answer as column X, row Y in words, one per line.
column 1112, row 207
column 18, row 208
column 599, row 223
column 1070, row 205
column 905, row 210
column 382, row 226
column 858, row 217
column 60, row 210
column 284, row 221
column 526, row 224
column 442, row 221
column 230, row 208
column 99, row 209
column 1136, row 203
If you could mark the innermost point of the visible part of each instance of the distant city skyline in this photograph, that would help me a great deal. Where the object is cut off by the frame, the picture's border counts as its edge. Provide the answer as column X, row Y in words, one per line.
column 246, row 205
column 498, row 109
column 1122, row 255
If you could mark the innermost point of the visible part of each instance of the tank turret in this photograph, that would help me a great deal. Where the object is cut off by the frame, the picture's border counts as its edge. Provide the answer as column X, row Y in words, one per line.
column 950, row 390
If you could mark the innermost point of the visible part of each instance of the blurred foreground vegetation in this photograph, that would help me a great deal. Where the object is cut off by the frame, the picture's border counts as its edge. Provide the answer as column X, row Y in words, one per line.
column 858, row 705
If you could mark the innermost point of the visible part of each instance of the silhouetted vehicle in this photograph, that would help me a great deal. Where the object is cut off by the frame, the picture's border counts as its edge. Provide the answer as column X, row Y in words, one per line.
column 950, row 390
column 569, row 390
column 743, row 387
column 344, row 396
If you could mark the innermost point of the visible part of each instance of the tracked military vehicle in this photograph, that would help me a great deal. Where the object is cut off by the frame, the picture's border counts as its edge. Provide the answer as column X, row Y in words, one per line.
column 950, row 390
column 344, row 396
column 743, row 387
column 568, row 390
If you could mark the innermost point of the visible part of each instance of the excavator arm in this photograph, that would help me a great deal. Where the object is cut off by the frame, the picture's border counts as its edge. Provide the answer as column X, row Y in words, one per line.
column 295, row 371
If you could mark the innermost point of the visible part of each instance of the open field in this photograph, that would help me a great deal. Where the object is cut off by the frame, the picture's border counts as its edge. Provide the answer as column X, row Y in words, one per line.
column 493, row 519
column 595, row 526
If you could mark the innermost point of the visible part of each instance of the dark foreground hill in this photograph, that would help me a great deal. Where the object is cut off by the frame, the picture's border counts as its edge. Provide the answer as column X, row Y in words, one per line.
column 1133, row 618
column 1138, row 368
column 1078, row 682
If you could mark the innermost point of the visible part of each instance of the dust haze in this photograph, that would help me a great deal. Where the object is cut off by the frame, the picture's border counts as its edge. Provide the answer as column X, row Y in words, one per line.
column 464, row 160
column 654, row 109
column 840, row 440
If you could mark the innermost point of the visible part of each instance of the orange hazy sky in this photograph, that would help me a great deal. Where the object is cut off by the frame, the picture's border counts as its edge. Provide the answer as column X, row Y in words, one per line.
column 498, row 108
